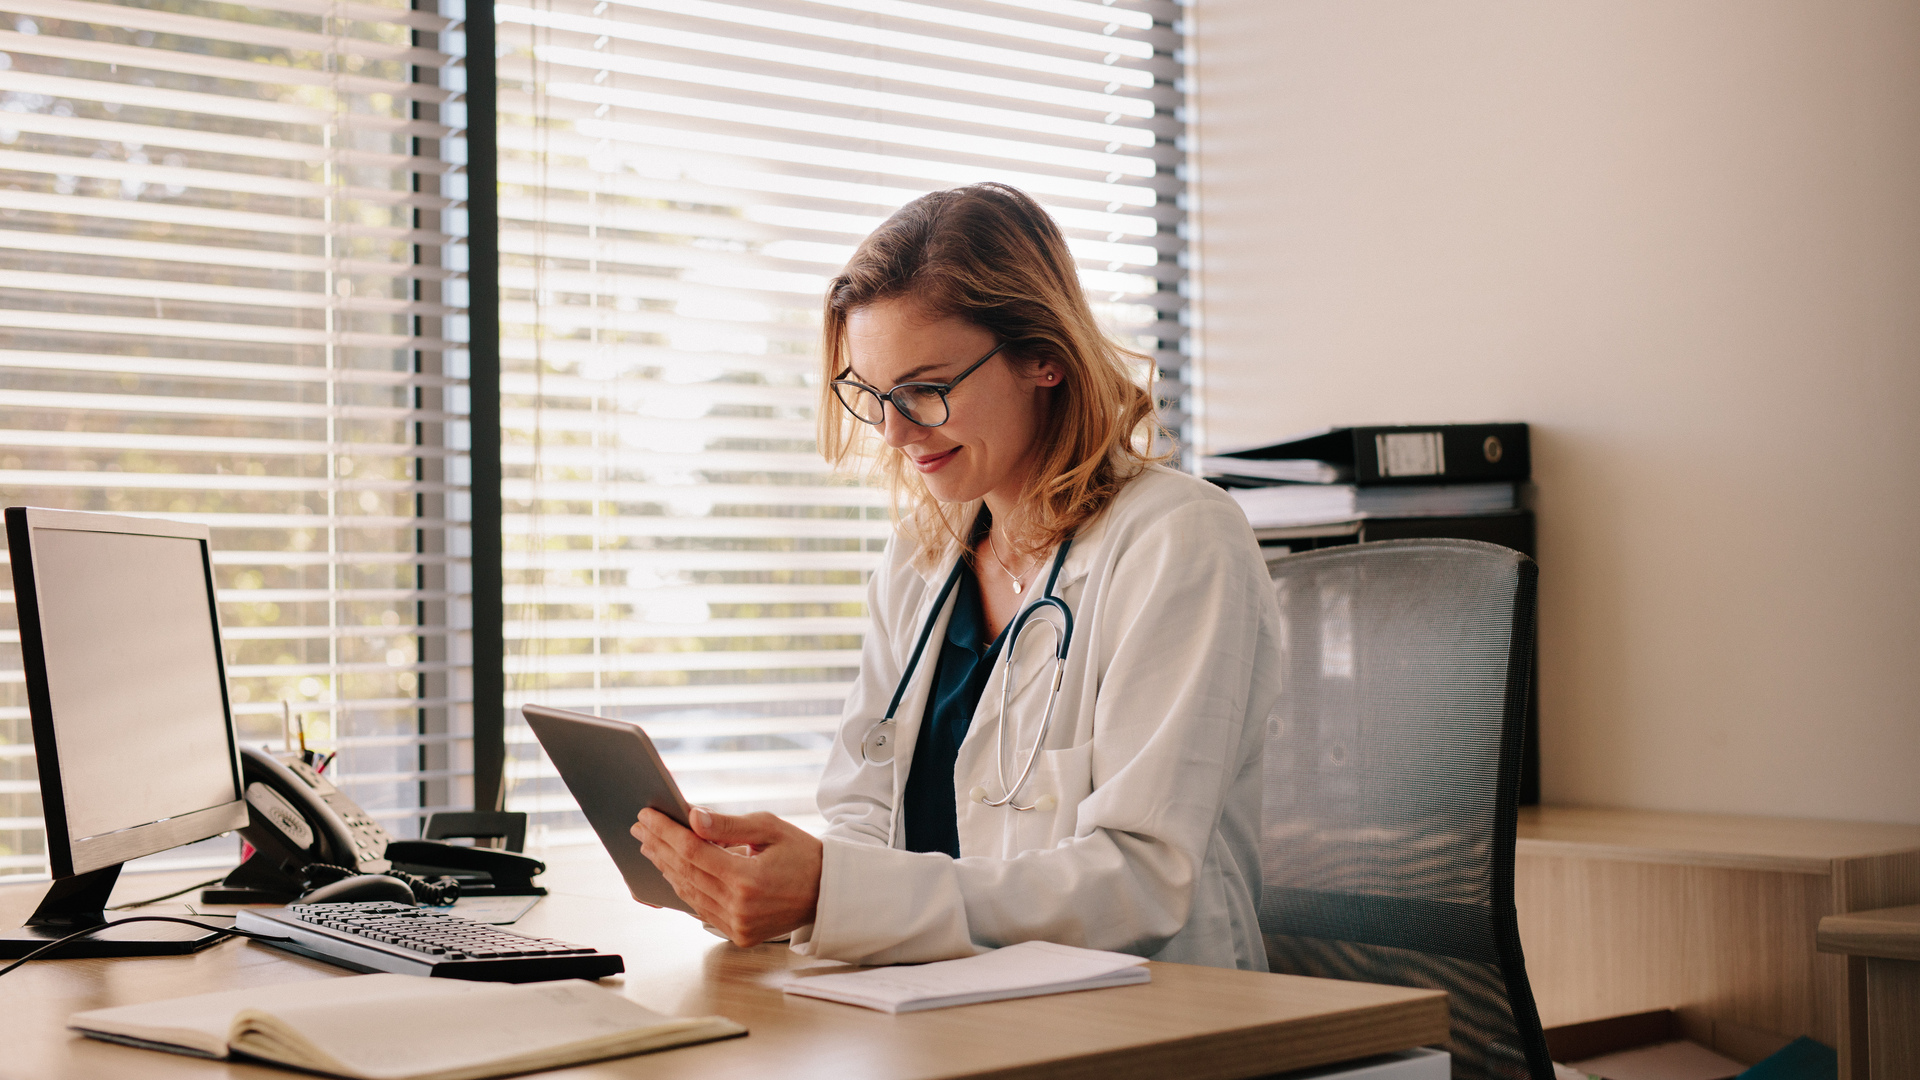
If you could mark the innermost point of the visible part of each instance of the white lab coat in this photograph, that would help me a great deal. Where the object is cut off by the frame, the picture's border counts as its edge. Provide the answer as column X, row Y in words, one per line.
column 1153, row 758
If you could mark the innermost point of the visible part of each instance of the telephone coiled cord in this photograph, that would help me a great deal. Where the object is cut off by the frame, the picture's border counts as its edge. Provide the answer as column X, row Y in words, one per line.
column 442, row 890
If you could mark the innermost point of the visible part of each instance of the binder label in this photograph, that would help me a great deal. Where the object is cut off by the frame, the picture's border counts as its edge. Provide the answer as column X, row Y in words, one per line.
column 1410, row 453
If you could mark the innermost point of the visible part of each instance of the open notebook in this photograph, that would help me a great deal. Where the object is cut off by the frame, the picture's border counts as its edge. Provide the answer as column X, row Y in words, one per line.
column 404, row 1027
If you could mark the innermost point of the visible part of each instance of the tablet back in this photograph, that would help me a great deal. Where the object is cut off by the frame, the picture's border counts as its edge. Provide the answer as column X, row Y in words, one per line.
column 614, row 772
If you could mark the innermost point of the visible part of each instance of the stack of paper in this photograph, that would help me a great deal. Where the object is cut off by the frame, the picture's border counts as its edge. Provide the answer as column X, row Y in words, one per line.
column 1318, row 504
column 1028, row 969
column 1291, row 470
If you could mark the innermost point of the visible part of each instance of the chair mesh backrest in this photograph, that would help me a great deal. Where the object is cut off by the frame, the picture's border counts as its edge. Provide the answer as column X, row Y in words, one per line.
column 1392, row 778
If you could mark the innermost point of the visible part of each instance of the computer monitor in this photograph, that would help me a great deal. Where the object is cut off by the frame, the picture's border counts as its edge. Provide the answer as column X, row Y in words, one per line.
column 132, row 730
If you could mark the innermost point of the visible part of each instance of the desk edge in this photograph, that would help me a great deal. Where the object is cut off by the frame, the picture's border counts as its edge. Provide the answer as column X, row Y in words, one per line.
column 1717, row 860
column 1385, row 1028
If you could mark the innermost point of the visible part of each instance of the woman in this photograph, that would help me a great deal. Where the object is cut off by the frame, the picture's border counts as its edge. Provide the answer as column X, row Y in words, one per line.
column 959, row 335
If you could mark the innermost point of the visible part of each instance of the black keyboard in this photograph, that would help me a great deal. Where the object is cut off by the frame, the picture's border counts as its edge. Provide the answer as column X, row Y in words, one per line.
column 385, row 936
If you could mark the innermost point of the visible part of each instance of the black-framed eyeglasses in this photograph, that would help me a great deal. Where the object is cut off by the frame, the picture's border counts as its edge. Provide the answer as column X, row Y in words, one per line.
column 924, row 403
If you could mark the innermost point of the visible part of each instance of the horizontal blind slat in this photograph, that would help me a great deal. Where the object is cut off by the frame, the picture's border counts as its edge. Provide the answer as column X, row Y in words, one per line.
column 141, row 405
column 217, row 67
column 246, row 333
column 215, row 142
column 67, row 439
column 418, row 20
column 116, row 247
column 897, row 41
column 250, row 33
column 1025, row 29
column 735, row 627
column 188, row 367
column 201, row 293
column 208, row 179
column 803, row 90
column 118, row 210
column 849, row 64
column 858, row 131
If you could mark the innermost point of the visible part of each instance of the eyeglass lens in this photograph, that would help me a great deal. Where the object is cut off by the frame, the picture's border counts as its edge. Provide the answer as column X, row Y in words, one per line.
column 924, row 405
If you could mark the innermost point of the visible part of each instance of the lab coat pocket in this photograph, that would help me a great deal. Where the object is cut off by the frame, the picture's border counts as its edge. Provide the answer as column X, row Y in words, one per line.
column 1061, row 780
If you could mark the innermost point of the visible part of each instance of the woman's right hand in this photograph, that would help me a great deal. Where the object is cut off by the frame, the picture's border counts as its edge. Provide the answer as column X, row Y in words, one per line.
column 753, row 877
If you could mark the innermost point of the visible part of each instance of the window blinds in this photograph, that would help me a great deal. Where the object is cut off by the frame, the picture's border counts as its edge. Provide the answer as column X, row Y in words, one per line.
column 679, row 179
column 232, row 292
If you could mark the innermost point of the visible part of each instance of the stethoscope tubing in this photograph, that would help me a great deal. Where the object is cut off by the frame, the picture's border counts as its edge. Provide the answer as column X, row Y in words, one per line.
column 877, row 749
column 1062, row 638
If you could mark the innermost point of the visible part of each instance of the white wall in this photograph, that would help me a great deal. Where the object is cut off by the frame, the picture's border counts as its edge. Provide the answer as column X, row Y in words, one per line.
column 1680, row 237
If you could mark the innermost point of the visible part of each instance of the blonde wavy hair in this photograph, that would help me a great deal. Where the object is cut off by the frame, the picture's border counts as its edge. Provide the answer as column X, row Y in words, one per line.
column 989, row 254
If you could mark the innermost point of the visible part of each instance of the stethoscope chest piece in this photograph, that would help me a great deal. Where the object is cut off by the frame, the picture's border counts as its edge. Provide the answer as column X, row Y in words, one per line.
column 877, row 747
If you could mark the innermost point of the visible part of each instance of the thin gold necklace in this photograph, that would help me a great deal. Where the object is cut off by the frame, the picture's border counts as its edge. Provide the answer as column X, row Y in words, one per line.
column 1018, row 586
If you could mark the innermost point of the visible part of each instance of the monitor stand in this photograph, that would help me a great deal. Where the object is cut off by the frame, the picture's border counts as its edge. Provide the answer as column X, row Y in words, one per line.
column 75, row 903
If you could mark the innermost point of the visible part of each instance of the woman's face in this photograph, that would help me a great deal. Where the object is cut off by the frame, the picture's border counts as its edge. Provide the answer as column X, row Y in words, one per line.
column 986, row 446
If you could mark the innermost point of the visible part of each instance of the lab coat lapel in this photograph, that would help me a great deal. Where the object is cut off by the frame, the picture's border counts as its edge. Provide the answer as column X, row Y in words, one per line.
column 1081, row 557
column 913, row 704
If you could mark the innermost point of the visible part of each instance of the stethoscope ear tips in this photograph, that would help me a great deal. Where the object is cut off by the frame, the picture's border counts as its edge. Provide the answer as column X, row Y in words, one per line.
column 1045, row 803
column 978, row 794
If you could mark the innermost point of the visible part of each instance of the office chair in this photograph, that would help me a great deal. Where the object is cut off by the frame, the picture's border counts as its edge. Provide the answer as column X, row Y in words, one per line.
column 1392, row 777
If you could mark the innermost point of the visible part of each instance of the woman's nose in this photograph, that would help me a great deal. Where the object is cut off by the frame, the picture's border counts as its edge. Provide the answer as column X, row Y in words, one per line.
column 898, row 430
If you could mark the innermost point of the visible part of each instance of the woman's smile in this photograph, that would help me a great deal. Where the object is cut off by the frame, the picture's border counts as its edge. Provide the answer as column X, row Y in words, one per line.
column 927, row 463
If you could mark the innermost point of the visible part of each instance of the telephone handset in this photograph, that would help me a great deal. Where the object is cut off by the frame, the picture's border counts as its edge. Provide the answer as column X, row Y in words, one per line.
column 297, row 819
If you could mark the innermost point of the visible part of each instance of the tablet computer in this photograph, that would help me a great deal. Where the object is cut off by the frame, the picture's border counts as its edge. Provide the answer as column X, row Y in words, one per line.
column 614, row 772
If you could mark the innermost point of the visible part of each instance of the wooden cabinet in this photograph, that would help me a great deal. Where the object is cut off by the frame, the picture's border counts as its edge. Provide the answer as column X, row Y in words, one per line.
column 1888, row 940
column 1624, row 911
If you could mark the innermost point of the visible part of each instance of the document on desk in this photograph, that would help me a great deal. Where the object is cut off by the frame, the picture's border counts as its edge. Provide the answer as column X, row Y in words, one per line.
column 405, row 1027
column 1028, row 969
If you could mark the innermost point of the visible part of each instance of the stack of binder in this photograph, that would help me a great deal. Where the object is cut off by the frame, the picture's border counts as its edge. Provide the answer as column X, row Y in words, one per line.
column 1347, row 485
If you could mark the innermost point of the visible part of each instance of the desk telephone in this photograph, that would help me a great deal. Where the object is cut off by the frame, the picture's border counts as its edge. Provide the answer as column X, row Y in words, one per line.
column 306, row 832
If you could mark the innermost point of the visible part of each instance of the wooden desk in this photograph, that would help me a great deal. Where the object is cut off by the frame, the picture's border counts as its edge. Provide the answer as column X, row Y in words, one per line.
column 1624, row 911
column 1888, row 940
column 1188, row 1022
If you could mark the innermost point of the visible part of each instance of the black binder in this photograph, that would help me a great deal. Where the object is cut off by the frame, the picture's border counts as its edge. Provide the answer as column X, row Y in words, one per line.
column 1410, row 454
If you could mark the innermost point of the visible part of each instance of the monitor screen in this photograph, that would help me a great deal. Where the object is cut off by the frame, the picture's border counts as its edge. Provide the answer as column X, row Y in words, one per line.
column 134, row 678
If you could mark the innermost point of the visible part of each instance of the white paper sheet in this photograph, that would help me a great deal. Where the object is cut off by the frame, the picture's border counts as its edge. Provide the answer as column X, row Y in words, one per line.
column 1025, row 970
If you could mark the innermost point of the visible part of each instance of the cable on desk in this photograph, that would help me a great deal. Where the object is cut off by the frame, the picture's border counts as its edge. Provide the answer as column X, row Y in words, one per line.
column 166, row 896
column 223, row 931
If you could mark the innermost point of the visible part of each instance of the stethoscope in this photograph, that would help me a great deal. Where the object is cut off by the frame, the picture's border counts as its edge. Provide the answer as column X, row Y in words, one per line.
column 877, row 747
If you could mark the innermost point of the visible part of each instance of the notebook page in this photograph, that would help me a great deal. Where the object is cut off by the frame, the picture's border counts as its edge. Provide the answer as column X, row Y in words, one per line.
column 494, row 1029
column 1023, row 970
column 201, row 1023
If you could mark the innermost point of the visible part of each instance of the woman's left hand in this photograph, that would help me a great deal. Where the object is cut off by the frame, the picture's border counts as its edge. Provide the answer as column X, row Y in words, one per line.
column 752, row 877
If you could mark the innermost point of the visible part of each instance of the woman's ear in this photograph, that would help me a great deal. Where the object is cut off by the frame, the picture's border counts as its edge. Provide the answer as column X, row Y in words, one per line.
column 1047, row 375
